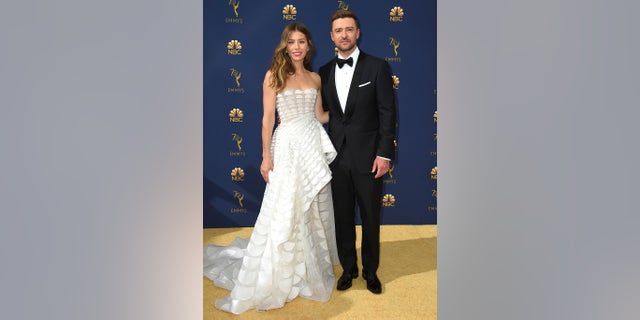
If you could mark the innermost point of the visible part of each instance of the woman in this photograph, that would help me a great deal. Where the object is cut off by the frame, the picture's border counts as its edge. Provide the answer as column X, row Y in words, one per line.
column 292, row 248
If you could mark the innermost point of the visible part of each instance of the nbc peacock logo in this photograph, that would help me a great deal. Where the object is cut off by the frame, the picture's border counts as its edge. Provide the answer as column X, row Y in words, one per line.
column 237, row 174
column 396, row 14
column 234, row 48
column 388, row 200
column 396, row 82
column 289, row 12
column 236, row 115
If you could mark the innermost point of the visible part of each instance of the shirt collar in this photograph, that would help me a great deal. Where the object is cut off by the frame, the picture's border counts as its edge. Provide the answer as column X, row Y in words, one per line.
column 353, row 55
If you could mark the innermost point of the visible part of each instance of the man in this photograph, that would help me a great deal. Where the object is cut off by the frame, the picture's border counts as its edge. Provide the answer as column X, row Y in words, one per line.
column 357, row 89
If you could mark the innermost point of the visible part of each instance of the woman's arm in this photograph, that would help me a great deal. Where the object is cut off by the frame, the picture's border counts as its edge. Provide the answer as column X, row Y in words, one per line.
column 321, row 115
column 268, row 122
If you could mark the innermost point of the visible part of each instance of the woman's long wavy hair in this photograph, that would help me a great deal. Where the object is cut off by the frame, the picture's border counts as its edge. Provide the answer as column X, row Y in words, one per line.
column 281, row 66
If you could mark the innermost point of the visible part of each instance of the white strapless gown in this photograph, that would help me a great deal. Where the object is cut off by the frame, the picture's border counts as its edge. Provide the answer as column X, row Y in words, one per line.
column 292, row 249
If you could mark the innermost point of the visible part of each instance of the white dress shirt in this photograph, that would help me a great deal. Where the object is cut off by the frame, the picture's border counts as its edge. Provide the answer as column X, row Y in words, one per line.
column 344, row 76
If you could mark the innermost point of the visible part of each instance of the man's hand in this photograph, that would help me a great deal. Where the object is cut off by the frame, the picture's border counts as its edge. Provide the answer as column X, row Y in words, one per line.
column 380, row 167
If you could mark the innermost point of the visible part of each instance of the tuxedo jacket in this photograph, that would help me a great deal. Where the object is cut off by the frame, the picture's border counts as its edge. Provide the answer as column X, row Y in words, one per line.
column 366, row 128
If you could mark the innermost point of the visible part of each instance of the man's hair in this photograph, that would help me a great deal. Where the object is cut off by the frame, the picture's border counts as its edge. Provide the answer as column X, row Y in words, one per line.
column 344, row 13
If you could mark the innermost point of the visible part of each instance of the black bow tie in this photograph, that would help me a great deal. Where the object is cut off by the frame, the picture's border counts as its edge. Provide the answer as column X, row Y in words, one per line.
column 341, row 62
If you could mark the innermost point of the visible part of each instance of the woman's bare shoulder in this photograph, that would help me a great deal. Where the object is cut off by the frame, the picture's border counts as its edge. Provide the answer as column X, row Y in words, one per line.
column 316, row 80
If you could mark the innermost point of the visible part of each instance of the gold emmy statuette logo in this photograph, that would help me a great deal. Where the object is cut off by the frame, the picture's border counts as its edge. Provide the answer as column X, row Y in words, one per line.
column 395, row 44
column 434, row 193
column 435, row 116
column 390, row 179
column 234, row 48
column 235, row 115
column 343, row 5
column 240, row 198
column 238, row 139
column 289, row 12
column 434, row 173
column 236, row 76
column 396, row 14
column 396, row 82
column 235, row 4
column 388, row 200
column 237, row 174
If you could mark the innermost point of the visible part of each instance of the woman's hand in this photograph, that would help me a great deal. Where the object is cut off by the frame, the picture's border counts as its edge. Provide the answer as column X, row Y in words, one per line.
column 265, row 167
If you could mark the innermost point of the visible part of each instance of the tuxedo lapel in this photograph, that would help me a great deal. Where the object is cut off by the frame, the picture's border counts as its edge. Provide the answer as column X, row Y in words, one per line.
column 352, row 97
column 332, row 84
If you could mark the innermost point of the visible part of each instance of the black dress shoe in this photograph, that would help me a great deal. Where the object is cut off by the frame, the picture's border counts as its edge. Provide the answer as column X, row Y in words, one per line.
column 373, row 283
column 344, row 282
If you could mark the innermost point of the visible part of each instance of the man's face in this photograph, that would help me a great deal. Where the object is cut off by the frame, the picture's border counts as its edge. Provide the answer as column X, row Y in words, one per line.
column 344, row 34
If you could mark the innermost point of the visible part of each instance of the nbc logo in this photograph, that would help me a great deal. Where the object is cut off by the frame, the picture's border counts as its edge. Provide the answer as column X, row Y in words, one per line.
column 289, row 12
column 237, row 174
column 388, row 200
column 234, row 48
column 396, row 14
column 235, row 115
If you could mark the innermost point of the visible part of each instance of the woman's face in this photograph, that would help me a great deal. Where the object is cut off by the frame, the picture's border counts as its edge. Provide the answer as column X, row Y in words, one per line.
column 297, row 46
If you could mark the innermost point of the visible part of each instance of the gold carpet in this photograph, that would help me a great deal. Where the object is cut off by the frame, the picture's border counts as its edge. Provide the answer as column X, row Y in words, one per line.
column 408, row 272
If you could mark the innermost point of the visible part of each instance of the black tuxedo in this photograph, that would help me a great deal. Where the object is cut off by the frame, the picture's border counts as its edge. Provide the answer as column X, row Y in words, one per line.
column 365, row 129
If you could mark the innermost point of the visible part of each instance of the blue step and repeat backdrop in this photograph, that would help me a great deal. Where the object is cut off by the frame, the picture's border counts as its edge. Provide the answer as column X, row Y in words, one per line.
column 239, row 39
